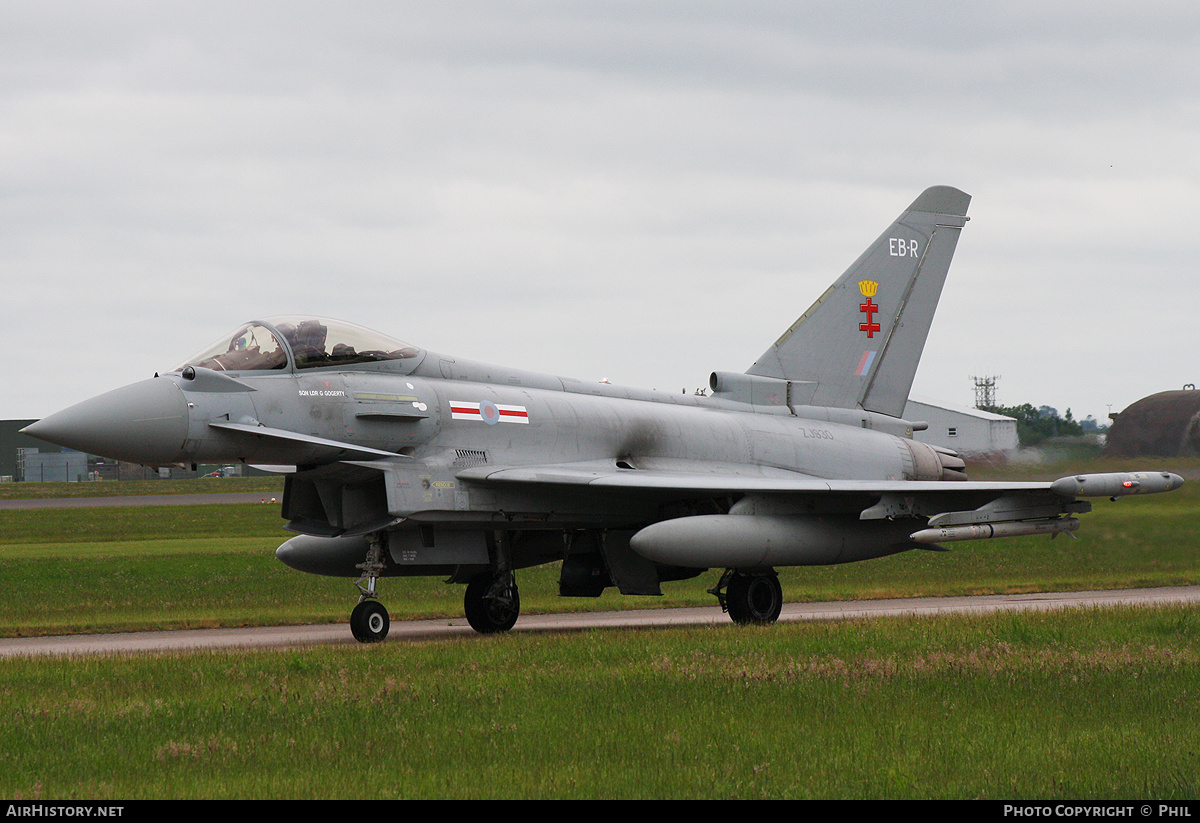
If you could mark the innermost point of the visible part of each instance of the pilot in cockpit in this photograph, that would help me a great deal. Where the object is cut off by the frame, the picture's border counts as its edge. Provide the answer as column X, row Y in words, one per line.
column 307, row 341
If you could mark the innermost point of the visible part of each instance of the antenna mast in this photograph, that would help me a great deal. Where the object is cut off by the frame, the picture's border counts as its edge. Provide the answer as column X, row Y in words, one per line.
column 985, row 391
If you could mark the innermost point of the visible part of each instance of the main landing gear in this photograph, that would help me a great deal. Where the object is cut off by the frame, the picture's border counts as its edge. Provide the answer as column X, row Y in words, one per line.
column 750, row 597
column 492, row 602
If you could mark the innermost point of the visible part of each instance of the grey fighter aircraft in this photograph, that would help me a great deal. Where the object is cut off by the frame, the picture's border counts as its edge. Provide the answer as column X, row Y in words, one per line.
column 401, row 461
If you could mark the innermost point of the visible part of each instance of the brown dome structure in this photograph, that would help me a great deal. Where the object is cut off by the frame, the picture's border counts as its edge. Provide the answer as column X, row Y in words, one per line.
column 1166, row 424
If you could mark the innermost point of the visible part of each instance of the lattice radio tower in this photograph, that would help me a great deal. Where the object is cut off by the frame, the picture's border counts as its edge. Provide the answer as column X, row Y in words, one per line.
column 985, row 391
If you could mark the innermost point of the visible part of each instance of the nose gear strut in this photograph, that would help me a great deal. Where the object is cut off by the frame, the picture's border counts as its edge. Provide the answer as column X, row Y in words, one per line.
column 369, row 622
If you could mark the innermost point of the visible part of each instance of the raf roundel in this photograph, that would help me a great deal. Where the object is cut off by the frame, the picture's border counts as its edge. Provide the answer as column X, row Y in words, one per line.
column 489, row 413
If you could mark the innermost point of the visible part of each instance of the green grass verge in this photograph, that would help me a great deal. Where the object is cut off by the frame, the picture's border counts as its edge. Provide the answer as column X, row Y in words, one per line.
column 118, row 488
column 126, row 568
column 1097, row 704
column 150, row 577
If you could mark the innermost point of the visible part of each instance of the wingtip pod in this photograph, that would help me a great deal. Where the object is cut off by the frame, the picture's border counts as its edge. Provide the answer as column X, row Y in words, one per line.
column 942, row 200
column 1116, row 484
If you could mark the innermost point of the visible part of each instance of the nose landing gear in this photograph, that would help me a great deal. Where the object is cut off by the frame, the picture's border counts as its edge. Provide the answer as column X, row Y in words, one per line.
column 369, row 622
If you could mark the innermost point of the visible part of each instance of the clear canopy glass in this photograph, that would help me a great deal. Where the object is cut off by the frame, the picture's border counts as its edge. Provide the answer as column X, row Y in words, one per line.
column 313, row 342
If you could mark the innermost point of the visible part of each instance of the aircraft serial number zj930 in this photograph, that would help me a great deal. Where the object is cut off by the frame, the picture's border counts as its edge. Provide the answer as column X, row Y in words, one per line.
column 402, row 461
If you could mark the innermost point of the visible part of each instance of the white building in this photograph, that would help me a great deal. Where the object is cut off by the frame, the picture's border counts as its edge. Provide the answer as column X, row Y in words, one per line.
column 970, row 432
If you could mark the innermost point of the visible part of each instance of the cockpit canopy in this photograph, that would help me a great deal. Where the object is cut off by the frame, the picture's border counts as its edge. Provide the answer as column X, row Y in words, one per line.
column 311, row 342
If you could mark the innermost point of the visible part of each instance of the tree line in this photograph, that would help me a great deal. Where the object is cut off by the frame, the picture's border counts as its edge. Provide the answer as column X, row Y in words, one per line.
column 1036, row 424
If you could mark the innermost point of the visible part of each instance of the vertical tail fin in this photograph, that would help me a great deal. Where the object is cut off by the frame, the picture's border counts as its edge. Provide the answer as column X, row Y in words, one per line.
column 858, row 346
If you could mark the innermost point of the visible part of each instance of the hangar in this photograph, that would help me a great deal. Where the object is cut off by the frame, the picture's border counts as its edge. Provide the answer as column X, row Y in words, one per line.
column 1166, row 424
column 972, row 433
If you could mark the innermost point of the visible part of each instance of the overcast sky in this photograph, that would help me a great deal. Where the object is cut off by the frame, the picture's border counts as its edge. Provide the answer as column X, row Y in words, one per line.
column 644, row 191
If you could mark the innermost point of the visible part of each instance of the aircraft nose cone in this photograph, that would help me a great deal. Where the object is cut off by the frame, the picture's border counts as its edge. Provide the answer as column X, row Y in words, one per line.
column 145, row 422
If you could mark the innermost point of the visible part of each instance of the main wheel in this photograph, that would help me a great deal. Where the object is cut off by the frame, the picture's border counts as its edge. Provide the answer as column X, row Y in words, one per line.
column 369, row 622
column 754, row 598
column 492, row 603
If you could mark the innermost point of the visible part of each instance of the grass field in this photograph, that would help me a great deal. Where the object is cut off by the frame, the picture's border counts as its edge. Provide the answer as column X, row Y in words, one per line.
column 1092, row 704
column 1096, row 705
column 26, row 491
column 127, row 568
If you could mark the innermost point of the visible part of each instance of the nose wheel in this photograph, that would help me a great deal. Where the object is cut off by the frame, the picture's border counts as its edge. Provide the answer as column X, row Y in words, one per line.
column 369, row 622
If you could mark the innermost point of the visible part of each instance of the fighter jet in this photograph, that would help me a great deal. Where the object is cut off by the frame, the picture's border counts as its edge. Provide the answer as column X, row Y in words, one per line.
column 400, row 461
